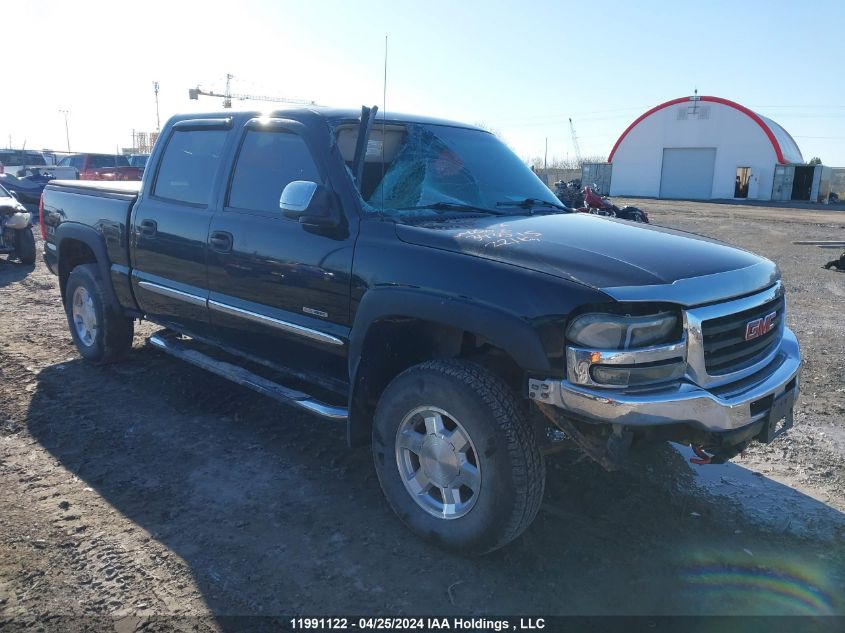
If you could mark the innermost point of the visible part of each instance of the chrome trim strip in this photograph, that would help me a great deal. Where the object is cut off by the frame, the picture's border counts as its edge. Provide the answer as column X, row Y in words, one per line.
column 705, row 289
column 696, row 370
column 173, row 293
column 291, row 328
column 681, row 404
column 323, row 410
column 579, row 360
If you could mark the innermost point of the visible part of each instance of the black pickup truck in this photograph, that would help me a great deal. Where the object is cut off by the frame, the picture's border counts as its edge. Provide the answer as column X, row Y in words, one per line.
column 413, row 280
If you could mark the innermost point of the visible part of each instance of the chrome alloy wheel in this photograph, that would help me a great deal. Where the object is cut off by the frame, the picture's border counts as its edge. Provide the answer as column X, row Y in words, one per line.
column 84, row 316
column 438, row 462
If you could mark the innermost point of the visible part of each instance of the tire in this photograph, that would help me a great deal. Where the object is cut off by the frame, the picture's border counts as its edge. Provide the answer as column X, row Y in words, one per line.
column 25, row 246
column 103, row 336
column 500, row 462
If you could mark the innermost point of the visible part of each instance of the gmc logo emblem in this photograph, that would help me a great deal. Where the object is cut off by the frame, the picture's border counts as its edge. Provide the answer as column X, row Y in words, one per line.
column 759, row 327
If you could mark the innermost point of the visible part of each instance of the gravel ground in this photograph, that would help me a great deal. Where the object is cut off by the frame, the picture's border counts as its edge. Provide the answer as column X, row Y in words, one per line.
column 151, row 490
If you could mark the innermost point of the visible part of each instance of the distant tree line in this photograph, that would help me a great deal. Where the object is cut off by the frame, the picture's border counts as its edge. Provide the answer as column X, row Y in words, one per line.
column 564, row 163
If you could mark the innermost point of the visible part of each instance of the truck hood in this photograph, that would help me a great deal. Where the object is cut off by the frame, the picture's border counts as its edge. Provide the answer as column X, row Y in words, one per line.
column 628, row 261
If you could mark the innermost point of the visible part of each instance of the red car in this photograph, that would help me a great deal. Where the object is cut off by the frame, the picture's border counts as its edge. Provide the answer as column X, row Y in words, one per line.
column 102, row 167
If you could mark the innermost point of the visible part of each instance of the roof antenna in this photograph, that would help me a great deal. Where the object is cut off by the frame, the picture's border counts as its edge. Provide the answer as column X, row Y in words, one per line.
column 383, row 117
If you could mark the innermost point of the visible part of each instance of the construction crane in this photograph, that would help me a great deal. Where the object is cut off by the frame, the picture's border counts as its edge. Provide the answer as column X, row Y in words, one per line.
column 194, row 93
column 575, row 142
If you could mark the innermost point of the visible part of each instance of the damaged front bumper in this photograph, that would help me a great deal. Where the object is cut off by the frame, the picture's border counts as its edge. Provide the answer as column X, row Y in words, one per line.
column 751, row 407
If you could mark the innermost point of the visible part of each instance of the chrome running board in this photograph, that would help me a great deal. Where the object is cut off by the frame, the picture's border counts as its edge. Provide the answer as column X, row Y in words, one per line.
column 169, row 342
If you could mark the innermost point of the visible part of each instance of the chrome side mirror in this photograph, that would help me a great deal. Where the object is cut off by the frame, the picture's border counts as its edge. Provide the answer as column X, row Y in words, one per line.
column 310, row 203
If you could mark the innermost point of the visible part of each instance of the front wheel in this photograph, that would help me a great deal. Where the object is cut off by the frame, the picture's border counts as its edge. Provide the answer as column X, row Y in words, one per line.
column 25, row 246
column 456, row 457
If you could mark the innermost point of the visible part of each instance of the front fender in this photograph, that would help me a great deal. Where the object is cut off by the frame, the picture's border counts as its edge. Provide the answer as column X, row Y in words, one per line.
column 507, row 331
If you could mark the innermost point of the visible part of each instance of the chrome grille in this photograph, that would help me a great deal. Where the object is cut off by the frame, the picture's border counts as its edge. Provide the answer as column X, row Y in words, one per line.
column 725, row 347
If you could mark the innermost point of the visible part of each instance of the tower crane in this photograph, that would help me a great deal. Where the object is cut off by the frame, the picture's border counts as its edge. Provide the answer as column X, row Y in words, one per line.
column 575, row 142
column 228, row 95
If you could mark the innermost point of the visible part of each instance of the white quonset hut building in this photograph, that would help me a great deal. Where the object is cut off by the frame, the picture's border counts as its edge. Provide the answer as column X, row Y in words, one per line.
column 705, row 147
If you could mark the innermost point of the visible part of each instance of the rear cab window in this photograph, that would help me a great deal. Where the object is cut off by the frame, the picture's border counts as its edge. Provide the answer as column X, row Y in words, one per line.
column 188, row 166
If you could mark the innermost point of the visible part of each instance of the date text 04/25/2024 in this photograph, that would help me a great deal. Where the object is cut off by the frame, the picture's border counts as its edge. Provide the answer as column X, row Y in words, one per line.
column 415, row 624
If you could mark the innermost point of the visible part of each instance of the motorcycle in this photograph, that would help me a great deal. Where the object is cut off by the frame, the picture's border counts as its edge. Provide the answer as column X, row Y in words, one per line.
column 601, row 205
column 569, row 193
column 16, row 237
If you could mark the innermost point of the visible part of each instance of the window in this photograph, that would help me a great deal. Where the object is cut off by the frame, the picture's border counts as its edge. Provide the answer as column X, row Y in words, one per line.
column 99, row 161
column 189, row 165
column 16, row 158
column 267, row 162
column 107, row 161
column 435, row 164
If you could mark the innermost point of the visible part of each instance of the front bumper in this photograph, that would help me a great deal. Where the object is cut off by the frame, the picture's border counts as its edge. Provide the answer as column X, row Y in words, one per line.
column 720, row 409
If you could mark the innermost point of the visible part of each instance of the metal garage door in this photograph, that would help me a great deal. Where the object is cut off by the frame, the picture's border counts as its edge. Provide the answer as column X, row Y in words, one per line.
column 687, row 173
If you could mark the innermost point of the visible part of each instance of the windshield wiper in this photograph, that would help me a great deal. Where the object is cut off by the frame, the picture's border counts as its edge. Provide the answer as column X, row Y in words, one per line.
column 454, row 206
column 530, row 203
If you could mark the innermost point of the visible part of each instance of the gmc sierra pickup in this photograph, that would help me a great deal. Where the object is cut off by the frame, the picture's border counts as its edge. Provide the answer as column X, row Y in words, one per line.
column 414, row 280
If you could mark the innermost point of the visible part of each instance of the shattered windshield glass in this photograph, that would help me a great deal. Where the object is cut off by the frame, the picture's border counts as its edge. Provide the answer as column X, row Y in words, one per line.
column 437, row 168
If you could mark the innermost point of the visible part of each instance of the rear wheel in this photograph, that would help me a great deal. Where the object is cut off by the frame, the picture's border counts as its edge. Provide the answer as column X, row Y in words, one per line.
column 455, row 456
column 25, row 246
column 100, row 334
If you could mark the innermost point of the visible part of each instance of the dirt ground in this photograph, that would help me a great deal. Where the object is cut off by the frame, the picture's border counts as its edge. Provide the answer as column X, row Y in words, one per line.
column 152, row 489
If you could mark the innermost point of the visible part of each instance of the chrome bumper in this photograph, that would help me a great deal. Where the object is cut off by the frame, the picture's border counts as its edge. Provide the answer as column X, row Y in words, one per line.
column 723, row 408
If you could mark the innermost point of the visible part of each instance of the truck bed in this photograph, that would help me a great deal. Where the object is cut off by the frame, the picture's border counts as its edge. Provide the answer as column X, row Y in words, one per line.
column 99, row 187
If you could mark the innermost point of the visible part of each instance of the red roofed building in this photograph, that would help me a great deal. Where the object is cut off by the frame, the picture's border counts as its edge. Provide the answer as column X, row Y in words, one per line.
column 704, row 148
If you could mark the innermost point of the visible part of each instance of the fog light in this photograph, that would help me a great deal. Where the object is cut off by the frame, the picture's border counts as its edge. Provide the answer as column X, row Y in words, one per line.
column 637, row 375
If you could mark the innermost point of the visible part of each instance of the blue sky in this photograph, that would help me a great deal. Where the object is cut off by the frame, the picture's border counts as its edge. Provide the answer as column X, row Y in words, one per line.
column 520, row 68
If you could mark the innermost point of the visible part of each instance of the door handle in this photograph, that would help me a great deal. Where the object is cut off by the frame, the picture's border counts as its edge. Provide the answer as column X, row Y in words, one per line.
column 148, row 228
column 221, row 241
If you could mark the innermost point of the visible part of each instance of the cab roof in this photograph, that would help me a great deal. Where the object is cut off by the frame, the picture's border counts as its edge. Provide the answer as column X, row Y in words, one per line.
column 333, row 116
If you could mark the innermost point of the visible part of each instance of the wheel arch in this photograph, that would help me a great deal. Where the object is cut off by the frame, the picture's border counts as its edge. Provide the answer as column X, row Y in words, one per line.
column 78, row 244
column 397, row 328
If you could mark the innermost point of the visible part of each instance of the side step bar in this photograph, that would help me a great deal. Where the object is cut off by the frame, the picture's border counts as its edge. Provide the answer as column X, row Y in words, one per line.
column 167, row 342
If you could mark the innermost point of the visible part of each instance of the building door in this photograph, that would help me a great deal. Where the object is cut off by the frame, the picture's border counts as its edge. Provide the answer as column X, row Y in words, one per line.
column 782, row 182
column 743, row 175
column 687, row 173
column 803, row 182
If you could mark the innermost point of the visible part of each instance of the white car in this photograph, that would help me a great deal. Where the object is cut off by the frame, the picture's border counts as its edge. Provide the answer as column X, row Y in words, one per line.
column 21, row 163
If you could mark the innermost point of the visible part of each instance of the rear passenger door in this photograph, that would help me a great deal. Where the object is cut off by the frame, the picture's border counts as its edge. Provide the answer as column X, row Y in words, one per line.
column 279, row 290
column 170, row 226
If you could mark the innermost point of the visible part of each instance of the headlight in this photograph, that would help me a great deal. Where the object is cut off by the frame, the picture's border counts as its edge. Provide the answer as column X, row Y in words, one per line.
column 616, row 351
column 610, row 331
column 19, row 220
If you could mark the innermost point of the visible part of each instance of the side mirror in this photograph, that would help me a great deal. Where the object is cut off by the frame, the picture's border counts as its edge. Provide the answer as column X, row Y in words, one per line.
column 311, row 203
column 13, row 193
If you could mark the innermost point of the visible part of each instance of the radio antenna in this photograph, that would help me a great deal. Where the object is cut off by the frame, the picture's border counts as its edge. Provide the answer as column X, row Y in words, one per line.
column 383, row 117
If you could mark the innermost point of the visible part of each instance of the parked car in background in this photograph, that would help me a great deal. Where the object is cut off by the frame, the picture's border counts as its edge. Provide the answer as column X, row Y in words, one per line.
column 16, row 237
column 138, row 160
column 102, row 167
column 13, row 160
column 27, row 189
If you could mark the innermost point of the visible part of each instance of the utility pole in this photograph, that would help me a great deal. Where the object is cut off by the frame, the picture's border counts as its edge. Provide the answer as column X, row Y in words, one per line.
column 67, row 134
column 158, row 119
column 546, row 157
column 227, row 99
